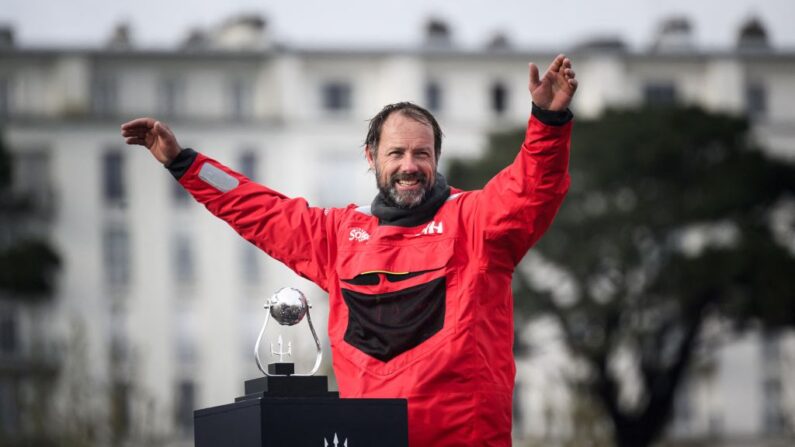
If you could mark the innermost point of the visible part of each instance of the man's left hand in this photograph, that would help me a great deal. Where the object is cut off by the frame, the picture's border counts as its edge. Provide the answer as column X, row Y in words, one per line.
column 556, row 89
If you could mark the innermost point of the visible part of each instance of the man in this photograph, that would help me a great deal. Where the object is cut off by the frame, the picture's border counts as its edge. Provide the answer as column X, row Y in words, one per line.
column 419, row 283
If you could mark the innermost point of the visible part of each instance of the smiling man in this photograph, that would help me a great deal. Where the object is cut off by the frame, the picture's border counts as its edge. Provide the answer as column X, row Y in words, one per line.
column 419, row 282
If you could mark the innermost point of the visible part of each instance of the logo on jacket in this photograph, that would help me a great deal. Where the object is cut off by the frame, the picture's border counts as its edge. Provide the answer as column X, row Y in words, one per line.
column 359, row 235
column 336, row 442
column 432, row 228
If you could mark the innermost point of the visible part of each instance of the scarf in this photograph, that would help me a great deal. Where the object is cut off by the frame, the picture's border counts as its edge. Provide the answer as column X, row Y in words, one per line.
column 390, row 214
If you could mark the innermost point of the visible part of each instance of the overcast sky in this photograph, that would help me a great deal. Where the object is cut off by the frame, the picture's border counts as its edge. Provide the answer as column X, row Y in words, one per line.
column 368, row 23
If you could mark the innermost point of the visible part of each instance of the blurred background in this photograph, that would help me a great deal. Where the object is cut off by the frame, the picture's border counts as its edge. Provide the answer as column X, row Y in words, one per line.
column 658, row 310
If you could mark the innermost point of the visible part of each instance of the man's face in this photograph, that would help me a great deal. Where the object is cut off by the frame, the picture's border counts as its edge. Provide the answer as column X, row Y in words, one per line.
column 405, row 164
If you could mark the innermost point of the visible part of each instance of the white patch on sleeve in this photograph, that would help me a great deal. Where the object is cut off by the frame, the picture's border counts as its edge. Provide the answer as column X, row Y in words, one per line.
column 452, row 197
column 217, row 178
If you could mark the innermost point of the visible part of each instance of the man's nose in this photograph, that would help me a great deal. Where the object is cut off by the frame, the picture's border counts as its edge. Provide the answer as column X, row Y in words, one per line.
column 408, row 164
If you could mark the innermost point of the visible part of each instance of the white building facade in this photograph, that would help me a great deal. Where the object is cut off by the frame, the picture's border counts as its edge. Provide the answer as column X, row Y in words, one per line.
column 159, row 303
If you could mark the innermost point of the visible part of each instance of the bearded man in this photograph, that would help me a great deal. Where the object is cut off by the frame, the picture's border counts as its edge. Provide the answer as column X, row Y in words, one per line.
column 419, row 282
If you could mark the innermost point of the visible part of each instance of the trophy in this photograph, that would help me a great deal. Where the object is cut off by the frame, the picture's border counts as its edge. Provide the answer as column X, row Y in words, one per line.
column 287, row 306
column 283, row 408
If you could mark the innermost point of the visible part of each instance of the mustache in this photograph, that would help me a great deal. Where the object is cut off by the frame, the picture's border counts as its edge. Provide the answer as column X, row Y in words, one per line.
column 404, row 176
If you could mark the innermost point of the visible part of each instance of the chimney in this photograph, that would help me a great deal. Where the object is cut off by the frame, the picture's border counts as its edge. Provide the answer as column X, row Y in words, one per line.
column 753, row 36
column 437, row 34
column 674, row 35
column 498, row 42
column 120, row 37
column 244, row 32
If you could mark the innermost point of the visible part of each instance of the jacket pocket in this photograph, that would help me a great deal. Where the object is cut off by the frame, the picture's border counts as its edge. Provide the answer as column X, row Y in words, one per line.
column 397, row 302
column 385, row 325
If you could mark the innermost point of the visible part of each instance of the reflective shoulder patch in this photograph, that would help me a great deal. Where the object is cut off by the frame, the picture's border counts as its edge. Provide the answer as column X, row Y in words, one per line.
column 365, row 210
column 454, row 196
column 217, row 178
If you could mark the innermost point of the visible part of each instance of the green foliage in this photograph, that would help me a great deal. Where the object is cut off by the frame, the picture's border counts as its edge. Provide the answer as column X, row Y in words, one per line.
column 666, row 223
column 28, row 269
column 27, row 265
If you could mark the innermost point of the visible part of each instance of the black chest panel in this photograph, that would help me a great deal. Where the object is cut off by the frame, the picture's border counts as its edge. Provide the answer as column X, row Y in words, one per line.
column 389, row 324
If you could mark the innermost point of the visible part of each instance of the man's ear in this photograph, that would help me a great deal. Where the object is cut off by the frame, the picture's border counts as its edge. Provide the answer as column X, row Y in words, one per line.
column 369, row 156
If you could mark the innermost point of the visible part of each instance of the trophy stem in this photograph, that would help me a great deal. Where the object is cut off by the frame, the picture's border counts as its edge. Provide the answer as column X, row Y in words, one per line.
column 259, row 340
column 319, row 355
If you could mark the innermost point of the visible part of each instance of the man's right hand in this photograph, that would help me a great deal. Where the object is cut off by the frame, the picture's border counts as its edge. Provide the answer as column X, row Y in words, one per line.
column 153, row 135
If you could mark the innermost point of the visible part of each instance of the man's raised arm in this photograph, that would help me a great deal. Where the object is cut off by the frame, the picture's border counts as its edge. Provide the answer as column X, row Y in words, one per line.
column 517, row 206
column 287, row 229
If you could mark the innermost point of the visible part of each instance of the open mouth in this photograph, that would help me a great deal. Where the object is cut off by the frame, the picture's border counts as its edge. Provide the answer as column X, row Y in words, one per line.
column 408, row 184
column 408, row 181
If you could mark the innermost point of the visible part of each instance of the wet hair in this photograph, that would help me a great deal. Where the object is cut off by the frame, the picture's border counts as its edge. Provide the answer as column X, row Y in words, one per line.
column 407, row 109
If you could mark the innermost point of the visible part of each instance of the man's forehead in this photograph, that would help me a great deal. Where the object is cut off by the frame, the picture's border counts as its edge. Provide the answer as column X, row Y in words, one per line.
column 400, row 124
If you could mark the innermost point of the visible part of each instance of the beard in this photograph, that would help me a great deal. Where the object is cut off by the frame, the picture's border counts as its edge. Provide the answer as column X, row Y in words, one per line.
column 404, row 199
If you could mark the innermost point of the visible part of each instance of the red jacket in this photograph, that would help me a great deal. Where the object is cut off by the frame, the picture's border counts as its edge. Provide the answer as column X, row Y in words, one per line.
column 425, row 312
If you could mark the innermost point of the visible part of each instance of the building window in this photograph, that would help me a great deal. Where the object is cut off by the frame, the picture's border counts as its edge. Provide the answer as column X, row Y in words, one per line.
column 5, row 98
column 116, row 256
column 170, row 96
column 241, row 99
column 250, row 255
column 8, row 334
column 120, row 409
column 32, row 179
column 756, row 101
column 9, row 406
column 499, row 98
column 113, row 178
column 773, row 415
column 338, row 179
column 248, row 164
column 184, row 406
column 660, row 94
column 433, row 96
column 337, row 96
column 184, row 263
column 119, row 350
column 104, row 96
column 185, row 337
column 179, row 194
column 773, row 420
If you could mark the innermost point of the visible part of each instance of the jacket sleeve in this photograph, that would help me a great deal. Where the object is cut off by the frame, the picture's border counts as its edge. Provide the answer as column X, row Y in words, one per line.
column 517, row 206
column 287, row 229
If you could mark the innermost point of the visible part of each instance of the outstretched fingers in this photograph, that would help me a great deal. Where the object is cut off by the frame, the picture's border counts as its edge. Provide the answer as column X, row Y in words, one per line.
column 556, row 64
column 137, row 130
column 534, row 79
column 135, row 140
column 139, row 123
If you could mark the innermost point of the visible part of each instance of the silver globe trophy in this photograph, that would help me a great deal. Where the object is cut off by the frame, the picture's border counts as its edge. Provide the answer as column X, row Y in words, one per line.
column 281, row 408
column 287, row 306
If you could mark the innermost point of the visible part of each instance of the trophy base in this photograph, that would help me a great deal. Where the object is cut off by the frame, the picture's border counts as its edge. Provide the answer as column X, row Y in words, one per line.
column 287, row 386
column 303, row 422
column 298, row 411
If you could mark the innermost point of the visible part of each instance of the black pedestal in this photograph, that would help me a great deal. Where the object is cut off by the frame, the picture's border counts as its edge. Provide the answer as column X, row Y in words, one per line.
column 300, row 411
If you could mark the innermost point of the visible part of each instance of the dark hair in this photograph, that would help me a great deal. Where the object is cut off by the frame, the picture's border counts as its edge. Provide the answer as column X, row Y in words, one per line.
column 410, row 110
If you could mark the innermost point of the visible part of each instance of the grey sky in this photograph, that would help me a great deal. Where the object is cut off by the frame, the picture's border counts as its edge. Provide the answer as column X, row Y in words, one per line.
column 366, row 23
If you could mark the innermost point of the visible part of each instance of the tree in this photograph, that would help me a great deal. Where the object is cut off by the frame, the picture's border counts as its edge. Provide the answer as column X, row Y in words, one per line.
column 27, row 279
column 667, row 224
column 27, row 263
